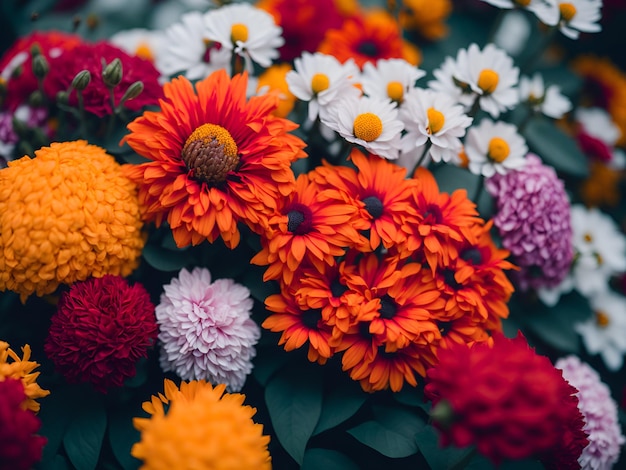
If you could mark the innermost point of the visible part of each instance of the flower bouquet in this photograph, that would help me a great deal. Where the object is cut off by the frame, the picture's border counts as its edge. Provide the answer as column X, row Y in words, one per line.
column 321, row 235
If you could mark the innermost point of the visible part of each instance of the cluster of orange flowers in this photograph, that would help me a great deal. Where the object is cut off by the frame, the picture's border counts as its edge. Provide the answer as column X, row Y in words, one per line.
column 382, row 269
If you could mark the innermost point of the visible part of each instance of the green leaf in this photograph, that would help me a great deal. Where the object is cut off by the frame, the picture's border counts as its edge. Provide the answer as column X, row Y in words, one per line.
column 253, row 280
column 84, row 435
column 294, row 402
column 316, row 459
column 392, row 433
column 439, row 458
column 412, row 397
column 165, row 260
column 267, row 362
column 122, row 436
column 341, row 402
column 555, row 147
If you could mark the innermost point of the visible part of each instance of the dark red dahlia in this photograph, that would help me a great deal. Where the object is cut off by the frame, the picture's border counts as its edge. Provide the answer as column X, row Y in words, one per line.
column 20, row 447
column 508, row 401
column 16, row 64
column 64, row 68
column 101, row 328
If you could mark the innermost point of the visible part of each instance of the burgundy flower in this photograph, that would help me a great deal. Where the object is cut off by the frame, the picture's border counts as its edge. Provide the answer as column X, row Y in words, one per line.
column 64, row 68
column 20, row 447
column 100, row 330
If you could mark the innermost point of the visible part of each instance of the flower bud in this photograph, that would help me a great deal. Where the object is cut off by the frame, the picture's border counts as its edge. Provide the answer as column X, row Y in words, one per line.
column 20, row 128
column 40, row 66
column 36, row 99
column 112, row 73
column 81, row 80
column 35, row 50
column 133, row 91
column 443, row 414
column 63, row 98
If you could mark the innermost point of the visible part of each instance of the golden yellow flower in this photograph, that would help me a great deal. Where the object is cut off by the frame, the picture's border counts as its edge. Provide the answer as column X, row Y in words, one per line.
column 601, row 188
column 273, row 80
column 66, row 215
column 22, row 369
column 204, row 428
column 426, row 17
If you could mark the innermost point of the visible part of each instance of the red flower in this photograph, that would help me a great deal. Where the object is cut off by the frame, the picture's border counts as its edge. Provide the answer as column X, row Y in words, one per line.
column 16, row 63
column 64, row 68
column 100, row 330
column 20, row 447
column 507, row 400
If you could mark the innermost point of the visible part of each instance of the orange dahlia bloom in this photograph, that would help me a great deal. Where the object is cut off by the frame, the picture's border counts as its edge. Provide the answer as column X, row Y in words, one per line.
column 66, row 215
column 373, row 35
column 602, row 187
column 216, row 159
column 426, row 17
column 310, row 227
column 380, row 189
column 22, row 369
column 198, row 414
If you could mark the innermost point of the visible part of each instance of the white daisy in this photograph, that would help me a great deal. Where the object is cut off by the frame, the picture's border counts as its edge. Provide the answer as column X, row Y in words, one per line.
column 188, row 50
column 321, row 80
column 431, row 116
column 579, row 16
column 599, row 124
column 141, row 42
column 489, row 75
column 513, row 32
column 390, row 78
column 546, row 10
column 369, row 122
column 494, row 147
column 605, row 332
column 445, row 82
column 548, row 101
column 247, row 31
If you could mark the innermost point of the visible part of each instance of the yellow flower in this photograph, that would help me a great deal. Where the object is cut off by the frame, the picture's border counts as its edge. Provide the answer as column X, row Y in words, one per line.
column 66, row 215
column 22, row 369
column 204, row 428
column 426, row 17
column 273, row 81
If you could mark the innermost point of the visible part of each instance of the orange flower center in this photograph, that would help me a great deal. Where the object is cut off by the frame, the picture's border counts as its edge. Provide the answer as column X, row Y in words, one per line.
column 587, row 237
column 239, row 32
column 568, row 11
column 319, row 83
column 522, row 3
column 368, row 127
column 436, row 120
column 488, row 81
column 395, row 91
column 210, row 153
column 143, row 50
column 498, row 150
column 602, row 319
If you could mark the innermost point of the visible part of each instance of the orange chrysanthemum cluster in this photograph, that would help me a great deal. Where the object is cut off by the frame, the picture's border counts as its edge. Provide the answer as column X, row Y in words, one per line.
column 426, row 17
column 66, row 215
column 22, row 369
column 382, row 270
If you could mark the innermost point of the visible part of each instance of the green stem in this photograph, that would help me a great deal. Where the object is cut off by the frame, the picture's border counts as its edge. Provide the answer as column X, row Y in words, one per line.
column 534, row 57
column 81, row 114
column 112, row 116
column 479, row 188
column 421, row 159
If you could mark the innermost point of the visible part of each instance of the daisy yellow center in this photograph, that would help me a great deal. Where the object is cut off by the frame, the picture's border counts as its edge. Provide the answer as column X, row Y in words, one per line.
column 488, row 80
column 319, row 83
column 239, row 32
column 210, row 153
column 602, row 319
column 499, row 149
column 395, row 91
column 436, row 120
column 143, row 50
column 368, row 127
column 587, row 237
column 568, row 11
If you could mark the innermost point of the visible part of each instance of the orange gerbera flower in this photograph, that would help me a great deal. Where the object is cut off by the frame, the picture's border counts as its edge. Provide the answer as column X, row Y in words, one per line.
column 311, row 226
column 442, row 219
column 298, row 326
column 216, row 159
column 367, row 38
column 382, row 191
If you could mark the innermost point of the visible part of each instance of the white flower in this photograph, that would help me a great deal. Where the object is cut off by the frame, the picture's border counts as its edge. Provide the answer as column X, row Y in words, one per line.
column 546, row 10
column 494, row 147
column 487, row 76
column 321, row 80
column 579, row 16
column 141, row 42
column 205, row 329
column 247, row 31
column 514, row 32
column 370, row 122
column 600, row 250
column 598, row 123
column 605, row 332
column 189, row 50
column 548, row 101
column 431, row 116
column 390, row 78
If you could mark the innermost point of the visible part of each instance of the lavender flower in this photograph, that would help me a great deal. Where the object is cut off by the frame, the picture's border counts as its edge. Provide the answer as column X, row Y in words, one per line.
column 600, row 413
column 533, row 218
column 205, row 329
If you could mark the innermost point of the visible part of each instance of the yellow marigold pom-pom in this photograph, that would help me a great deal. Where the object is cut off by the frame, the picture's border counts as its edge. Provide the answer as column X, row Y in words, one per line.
column 204, row 428
column 66, row 215
column 22, row 369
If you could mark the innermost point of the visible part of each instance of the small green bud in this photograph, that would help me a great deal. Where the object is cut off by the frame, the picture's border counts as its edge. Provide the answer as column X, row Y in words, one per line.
column 36, row 99
column 35, row 50
column 112, row 73
column 81, row 80
column 443, row 414
column 40, row 66
column 133, row 91
column 63, row 98
column 20, row 128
